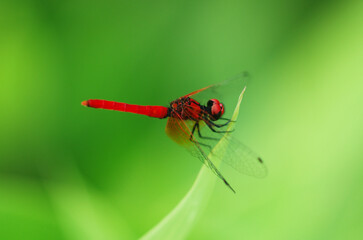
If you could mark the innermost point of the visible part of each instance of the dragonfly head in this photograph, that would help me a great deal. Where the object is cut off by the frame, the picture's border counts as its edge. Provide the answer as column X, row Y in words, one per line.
column 215, row 109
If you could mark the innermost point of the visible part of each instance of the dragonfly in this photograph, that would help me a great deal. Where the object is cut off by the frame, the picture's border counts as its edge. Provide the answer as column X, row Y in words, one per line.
column 198, row 121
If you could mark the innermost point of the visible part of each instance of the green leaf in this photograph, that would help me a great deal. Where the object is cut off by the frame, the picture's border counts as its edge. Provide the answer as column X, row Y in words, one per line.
column 178, row 223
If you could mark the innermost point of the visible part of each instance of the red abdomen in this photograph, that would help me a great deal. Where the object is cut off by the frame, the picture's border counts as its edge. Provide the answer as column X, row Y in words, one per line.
column 151, row 111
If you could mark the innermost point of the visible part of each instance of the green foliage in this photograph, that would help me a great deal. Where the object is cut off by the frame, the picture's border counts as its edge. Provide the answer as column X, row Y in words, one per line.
column 178, row 223
column 68, row 172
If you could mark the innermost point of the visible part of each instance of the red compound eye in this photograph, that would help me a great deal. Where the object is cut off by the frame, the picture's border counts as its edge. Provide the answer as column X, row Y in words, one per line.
column 222, row 108
column 217, row 108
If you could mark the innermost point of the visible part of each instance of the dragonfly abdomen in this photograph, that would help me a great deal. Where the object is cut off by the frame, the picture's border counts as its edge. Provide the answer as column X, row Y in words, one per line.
column 151, row 111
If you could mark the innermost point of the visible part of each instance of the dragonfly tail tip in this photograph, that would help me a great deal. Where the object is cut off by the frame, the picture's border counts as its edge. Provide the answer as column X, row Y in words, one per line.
column 85, row 103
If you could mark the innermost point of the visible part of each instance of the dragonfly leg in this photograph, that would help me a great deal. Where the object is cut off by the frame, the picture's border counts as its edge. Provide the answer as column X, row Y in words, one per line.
column 224, row 124
column 229, row 120
column 210, row 125
column 192, row 138
column 200, row 135
column 221, row 125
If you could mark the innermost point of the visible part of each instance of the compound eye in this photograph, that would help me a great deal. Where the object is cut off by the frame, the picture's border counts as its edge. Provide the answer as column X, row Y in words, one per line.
column 222, row 108
column 217, row 108
column 210, row 103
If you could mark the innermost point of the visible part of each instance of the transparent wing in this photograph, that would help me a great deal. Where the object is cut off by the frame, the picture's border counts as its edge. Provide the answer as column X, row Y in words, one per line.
column 226, row 92
column 242, row 158
column 180, row 131
column 200, row 138
column 234, row 153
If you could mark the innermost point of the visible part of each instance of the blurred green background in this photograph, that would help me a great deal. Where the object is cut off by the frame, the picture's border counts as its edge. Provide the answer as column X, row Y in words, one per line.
column 68, row 172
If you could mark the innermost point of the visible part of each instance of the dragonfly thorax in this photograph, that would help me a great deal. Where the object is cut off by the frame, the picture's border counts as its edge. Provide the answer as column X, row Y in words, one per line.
column 189, row 109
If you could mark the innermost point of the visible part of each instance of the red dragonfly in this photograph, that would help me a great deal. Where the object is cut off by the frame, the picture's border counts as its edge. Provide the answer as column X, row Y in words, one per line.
column 197, row 121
